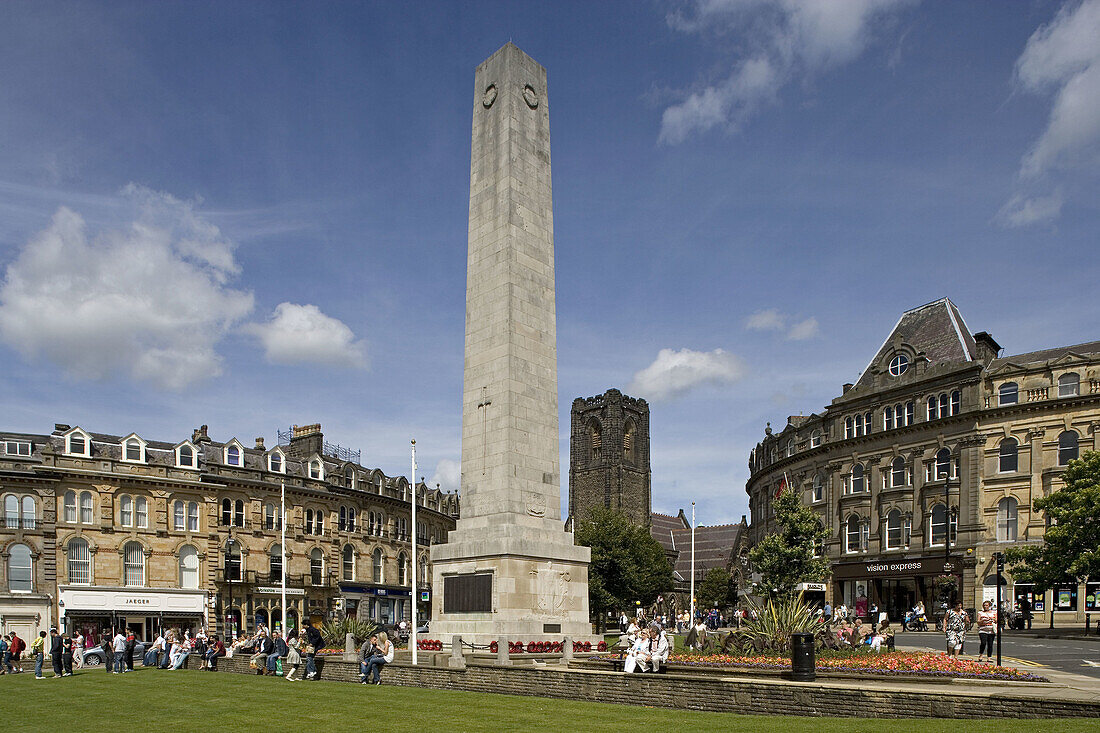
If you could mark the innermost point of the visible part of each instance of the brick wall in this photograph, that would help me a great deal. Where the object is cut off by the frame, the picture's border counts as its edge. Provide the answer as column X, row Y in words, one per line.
column 701, row 692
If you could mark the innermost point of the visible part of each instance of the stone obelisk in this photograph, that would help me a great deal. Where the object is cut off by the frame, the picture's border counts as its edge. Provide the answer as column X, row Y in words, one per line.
column 509, row 571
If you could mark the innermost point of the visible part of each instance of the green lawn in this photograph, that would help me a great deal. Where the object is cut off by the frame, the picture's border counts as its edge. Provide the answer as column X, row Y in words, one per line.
column 155, row 700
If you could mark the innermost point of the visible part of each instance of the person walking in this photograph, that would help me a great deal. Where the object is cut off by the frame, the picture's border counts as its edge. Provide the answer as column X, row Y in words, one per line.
column 5, row 655
column 293, row 658
column 987, row 631
column 314, row 641
column 38, row 649
column 954, row 628
column 56, row 653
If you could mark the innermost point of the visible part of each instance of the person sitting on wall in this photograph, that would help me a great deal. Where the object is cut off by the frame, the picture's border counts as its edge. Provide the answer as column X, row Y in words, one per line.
column 656, row 651
column 383, row 655
column 154, row 651
column 216, row 649
column 263, row 649
column 366, row 650
column 278, row 651
column 637, row 651
column 180, row 653
column 884, row 635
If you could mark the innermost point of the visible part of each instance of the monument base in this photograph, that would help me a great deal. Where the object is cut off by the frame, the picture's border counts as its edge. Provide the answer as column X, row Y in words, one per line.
column 533, row 583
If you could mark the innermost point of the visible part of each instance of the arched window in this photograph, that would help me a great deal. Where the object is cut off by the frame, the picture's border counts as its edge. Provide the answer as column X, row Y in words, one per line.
column 232, row 560
column 78, row 444
column 628, row 442
column 348, row 560
column 342, row 522
column 956, row 402
column 11, row 511
column 79, row 560
column 847, row 428
column 859, row 425
column 595, row 441
column 317, row 566
column 189, row 567
column 894, row 540
column 178, row 518
column 858, row 483
column 377, row 575
column 897, row 473
column 1006, row 519
column 193, row 516
column 945, row 405
column 20, row 571
column 402, row 569
column 1067, row 447
column 852, row 534
column 238, row 513
column 937, row 524
column 1008, row 459
column 815, row 438
column 888, row 418
column 275, row 462
column 86, row 510
column 351, row 518
column 186, row 457
column 818, row 487
column 867, row 424
column 943, row 464
column 275, row 563
column 271, row 519
column 790, row 448
column 422, row 569
column 932, row 408
column 70, row 506
column 227, row 512
column 141, row 511
column 315, row 469
column 233, row 455
column 29, row 513
column 133, row 565
column 910, row 411
column 319, row 522
column 1008, row 394
column 132, row 450
column 126, row 511
column 349, row 476
column 1069, row 385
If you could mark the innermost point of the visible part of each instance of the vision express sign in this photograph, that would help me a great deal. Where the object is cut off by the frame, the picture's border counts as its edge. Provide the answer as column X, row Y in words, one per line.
column 891, row 568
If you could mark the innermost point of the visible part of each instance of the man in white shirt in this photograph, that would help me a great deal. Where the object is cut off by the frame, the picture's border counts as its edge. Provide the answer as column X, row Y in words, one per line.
column 157, row 648
column 655, row 651
column 119, row 643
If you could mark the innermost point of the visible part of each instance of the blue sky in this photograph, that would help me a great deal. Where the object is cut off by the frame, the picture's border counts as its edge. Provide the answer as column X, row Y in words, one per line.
column 254, row 214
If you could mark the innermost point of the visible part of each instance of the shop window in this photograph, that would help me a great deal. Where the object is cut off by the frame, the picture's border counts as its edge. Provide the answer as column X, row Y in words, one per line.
column 1007, row 456
column 1008, row 394
column 133, row 565
column 20, row 569
column 189, row 567
column 1067, row 447
column 79, row 560
column 1065, row 597
column 1006, row 519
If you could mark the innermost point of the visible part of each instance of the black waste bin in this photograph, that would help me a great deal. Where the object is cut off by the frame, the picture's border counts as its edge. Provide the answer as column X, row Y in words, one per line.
column 802, row 657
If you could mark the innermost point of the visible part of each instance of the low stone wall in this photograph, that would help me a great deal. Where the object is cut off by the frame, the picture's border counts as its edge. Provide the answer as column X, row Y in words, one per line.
column 703, row 692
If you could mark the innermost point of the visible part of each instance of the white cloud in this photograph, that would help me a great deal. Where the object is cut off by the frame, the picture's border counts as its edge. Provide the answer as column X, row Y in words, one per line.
column 803, row 330
column 448, row 474
column 148, row 300
column 783, row 39
column 674, row 373
column 302, row 334
column 766, row 320
column 1061, row 58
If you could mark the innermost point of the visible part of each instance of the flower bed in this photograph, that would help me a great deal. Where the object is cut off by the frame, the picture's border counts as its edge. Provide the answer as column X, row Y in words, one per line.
column 927, row 664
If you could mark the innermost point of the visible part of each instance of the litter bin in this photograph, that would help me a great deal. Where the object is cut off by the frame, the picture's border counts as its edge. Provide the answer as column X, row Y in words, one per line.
column 802, row 657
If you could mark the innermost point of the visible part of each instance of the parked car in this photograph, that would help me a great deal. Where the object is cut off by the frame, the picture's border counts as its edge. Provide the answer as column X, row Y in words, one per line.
column 94, row 657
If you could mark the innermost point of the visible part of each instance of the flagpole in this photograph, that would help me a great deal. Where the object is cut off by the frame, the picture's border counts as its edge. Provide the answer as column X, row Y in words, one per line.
column 692, row 606
column 412, row 580
column 282, row 548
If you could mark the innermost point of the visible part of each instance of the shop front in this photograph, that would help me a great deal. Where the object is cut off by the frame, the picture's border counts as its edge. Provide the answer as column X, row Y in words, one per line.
column 145, row 611
column 386, row 605
column 894, row 585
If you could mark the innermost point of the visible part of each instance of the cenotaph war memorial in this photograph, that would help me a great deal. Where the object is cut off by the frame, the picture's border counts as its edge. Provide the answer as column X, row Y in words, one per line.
column 509, row 571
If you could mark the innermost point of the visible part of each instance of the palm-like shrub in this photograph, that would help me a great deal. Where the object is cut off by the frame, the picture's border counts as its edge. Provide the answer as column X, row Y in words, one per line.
column 771, row 630
column 334, row 632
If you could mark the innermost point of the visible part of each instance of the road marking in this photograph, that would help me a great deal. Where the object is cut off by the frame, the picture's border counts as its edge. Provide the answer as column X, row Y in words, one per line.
column 1024, row 662
column 1088, row 663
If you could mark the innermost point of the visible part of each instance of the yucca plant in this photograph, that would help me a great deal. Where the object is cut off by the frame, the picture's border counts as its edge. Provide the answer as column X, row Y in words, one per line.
column 771, row 630
column 334, row 632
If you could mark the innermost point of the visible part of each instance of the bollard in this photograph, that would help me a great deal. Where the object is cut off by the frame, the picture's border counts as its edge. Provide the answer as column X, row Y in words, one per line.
column 502, row 653
column 350, row 652
column 457, row 660
column 802, row 658
column 566, row 651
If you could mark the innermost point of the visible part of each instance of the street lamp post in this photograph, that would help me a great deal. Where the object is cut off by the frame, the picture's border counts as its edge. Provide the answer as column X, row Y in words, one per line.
column 691, row 618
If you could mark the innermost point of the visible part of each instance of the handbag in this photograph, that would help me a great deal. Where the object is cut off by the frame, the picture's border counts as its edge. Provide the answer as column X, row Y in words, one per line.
column 310, row 649
column 279, row 667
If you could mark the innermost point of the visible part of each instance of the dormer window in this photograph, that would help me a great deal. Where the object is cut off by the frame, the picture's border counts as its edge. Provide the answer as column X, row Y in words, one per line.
column 275, row 462
column 77, row 443
column 233, row 454
column 898, row 365
column 185, row 456
column 133, row 450
column 316, row 469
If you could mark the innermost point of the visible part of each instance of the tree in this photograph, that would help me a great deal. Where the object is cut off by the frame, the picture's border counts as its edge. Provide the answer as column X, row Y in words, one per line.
column 628, row 565
column 717, row 590
column 1071, row 545
column 794, row 554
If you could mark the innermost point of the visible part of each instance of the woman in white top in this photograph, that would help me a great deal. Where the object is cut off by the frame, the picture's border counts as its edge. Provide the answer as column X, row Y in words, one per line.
column 987, row 630
column 78, row 649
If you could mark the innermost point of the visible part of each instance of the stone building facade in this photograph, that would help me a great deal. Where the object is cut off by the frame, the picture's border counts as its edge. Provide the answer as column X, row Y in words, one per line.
column 609, row 456
column 929, row 464
column 102, row 530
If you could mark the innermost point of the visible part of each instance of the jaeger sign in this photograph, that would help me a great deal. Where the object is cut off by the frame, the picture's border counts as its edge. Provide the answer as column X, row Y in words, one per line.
column 891, row 568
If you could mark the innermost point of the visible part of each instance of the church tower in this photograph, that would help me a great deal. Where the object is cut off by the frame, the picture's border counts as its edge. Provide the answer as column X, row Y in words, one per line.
column 609, row 456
